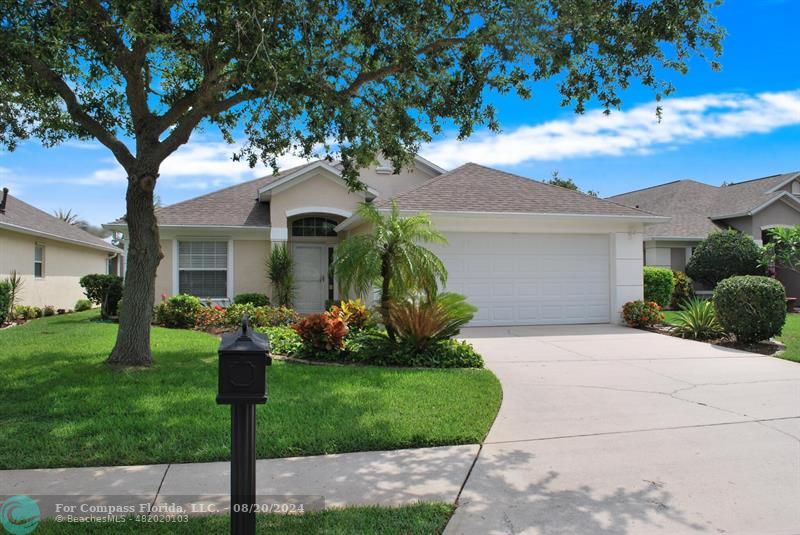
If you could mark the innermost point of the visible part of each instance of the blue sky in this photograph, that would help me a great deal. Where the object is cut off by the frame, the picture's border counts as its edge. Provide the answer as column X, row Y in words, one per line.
column 737, row 124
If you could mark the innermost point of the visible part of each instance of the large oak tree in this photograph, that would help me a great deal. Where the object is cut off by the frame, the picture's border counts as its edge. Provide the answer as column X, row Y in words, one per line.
column 355, row 77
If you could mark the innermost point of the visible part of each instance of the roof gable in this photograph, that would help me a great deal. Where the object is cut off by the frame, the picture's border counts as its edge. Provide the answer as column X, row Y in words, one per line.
column 297, row 177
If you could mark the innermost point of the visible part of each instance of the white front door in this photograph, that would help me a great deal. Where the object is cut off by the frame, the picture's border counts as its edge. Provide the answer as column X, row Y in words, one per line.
column 311, row 273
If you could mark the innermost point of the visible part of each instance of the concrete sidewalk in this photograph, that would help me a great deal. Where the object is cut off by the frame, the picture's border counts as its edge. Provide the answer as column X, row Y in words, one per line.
column 390, row 478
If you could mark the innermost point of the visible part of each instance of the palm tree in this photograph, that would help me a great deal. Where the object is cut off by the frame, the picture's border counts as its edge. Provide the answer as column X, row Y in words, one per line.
column 280, row 271
column 67, row 216
column 391, row 258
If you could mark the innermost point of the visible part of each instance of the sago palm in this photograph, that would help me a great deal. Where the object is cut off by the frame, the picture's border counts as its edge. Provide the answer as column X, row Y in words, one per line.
column 392, row 257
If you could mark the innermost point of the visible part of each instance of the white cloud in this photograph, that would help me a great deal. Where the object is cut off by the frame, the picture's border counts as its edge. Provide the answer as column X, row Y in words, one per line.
column 632, row 132
column 8, row 180
column 200, row 165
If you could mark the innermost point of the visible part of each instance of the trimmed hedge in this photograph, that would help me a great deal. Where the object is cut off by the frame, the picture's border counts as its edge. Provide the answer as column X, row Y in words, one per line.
column 252, row 298
column 658, row 285
column 751, row 307
column 722, row 255
column 83, row 304
column 178, row 311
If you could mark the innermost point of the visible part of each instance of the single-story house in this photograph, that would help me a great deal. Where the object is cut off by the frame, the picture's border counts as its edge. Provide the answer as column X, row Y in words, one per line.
column 522, row 251
column 49, row 254
column 696, row 209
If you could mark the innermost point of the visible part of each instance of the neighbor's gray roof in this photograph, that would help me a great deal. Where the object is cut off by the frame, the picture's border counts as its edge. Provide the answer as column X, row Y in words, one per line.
column 234, row 206
column 475, row 188
column 23, row 217
column 696, row 208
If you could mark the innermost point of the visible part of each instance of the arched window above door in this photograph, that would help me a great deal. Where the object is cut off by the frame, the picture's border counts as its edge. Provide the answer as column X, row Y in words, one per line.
column 315, row 227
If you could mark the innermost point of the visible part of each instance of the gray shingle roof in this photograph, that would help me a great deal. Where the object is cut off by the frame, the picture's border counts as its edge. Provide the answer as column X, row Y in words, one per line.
column 696, row 208
column 234, row 206
column 475, row 188
column 21, row 215
column 742, row 197
column 686, row 201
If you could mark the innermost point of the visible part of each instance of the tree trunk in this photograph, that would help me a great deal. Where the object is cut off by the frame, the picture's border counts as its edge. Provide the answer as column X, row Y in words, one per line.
column 386, row 297
column 143, row 256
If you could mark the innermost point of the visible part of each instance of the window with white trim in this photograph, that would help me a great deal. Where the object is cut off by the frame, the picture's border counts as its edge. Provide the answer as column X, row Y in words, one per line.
column 203, row 268
column 315, row 227
column 38, row 261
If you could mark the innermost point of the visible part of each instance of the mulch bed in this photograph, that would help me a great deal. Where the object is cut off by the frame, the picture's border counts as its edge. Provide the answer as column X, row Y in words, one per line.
column 767, row 347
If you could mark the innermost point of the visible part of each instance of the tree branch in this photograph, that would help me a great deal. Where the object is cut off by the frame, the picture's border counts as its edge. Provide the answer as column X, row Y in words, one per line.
column 130, row 63
column 78, row 114
column 180, row 134
column 366, row 77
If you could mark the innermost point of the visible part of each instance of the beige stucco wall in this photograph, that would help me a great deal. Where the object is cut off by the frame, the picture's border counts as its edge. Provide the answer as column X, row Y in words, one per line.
column 64, row 265
column 249, row 272
column 249, row 269
column 317, row 191
column 390, row 185
column 164, row 271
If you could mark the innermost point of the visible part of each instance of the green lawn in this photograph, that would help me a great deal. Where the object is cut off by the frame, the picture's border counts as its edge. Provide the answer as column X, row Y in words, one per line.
column 669, row 316
column 791, row 337
column 422, row 519
column 62, row 406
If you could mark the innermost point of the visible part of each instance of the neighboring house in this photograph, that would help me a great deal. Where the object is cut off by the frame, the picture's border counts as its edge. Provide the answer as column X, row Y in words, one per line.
column 696, row 209
column 49, row 254
column 522, row 251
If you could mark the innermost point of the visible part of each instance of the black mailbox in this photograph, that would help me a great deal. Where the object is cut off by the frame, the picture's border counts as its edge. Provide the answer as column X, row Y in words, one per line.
column 243, row 360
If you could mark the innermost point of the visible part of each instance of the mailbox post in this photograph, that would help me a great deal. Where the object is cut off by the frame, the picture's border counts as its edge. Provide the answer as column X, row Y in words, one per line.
column 243, row 358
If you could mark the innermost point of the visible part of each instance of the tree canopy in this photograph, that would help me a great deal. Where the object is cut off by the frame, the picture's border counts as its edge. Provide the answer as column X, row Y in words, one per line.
column 310, row 77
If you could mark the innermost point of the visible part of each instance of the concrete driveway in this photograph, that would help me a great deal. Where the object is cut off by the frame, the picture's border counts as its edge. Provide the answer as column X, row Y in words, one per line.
column 610, row 430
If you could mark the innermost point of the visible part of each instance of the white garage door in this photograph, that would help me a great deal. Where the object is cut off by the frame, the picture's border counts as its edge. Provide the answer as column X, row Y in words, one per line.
column 530, row 279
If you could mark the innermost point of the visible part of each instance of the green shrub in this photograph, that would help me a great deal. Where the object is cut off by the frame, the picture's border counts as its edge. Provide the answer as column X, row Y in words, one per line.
column 753, row 308
column 255, row 299
column 36, row 312
column 642, row 313
column 177, row 311
column 235, row 313
column 83, row 304
column 373, row 347
column 24, row 312
column 282, row 340
column 683, row 290
column 354, row 313
column 321, row 334
column 722, row 255
column 421, row 322
column 441, row 354
column 49, row 310
column 5, row 301
column 697, row 320
column 658, row 285
column 275, row 316
column 103, row 290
